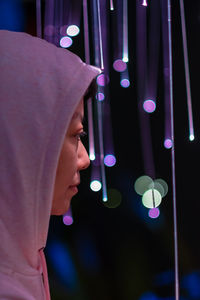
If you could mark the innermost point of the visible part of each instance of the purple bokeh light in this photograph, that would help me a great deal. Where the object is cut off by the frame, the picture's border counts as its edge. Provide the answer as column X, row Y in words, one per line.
column 168, row 143
column 109, row 160
column 154, row 213
column 65, row 42
column 119, row 65
column 149, row 105
column 67, row 217
column 102, row 80
column 125, row 83
column 100, row 96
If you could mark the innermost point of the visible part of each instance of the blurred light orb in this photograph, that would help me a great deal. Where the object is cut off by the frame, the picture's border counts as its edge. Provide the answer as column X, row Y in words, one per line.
column 157, row 186
column 65, row 42
column 151, row 198
column 164, row 185
column 142, row 184
column 100, row 96
column 149, row 106
column 73, row 30
column 102, row 80
column 125, row 83
column 114, row 198
column 168, row 143
column 109, row 160
column 119, row 65
column 67, row 220
column 95, row 185
column 154, row 213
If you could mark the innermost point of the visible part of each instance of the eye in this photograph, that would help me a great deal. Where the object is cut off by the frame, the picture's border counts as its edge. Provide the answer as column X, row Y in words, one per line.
column 80, row 135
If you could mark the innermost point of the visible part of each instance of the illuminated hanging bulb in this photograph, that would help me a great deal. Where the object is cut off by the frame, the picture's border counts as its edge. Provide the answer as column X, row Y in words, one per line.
column 67, row 217
column 144, row 3
column 95, row 185
column 142, row 184
column 149, row 105
column 73, row 30
column 114, row 198
column 65, row 42
column 110, row 160
column 168, row 143
column 154, row 213
column 119, row 65
column 151, row 198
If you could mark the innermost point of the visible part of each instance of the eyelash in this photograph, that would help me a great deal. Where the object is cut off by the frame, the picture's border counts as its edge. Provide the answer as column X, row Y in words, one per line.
column 81, row 135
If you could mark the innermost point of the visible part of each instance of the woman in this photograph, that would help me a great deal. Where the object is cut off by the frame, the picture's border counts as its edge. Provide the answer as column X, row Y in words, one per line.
column 41, row 154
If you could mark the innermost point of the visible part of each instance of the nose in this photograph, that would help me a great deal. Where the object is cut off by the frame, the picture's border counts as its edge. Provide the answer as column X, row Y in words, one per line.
column 83, row 158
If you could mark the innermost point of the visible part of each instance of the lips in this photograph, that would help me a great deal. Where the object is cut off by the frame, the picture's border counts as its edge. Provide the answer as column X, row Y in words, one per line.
column 74, row 188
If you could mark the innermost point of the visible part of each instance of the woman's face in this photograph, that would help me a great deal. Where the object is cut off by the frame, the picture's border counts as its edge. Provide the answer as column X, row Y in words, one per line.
column 73, row 159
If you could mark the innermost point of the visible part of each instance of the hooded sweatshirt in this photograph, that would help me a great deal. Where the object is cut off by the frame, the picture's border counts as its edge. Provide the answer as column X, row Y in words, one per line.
column 40, row 87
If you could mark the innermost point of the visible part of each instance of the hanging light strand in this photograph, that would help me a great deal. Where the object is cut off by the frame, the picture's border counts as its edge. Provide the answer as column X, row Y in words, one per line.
column 187, row 72
column 38, row 18
column 89, row 102
column 173, row 157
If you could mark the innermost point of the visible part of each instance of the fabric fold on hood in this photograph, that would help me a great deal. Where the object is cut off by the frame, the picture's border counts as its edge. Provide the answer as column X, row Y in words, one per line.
column 40, row 87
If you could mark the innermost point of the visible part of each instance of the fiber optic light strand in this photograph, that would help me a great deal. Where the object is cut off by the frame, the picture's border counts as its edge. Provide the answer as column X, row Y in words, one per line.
column 89, row 102
column 187, row 72
column 173, row 157
column 38, row 18
column 101, row 145
column 100, row 34
column 125, row 31
column 111, row 5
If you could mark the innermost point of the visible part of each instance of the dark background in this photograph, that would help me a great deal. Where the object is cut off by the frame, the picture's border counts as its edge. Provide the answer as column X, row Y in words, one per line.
column 121, row 253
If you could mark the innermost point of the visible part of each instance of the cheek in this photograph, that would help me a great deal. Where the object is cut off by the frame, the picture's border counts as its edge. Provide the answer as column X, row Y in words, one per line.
column 67, row 162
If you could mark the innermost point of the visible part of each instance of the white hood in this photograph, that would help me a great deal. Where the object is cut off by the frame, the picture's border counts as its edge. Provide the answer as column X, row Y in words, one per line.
column 40, row 87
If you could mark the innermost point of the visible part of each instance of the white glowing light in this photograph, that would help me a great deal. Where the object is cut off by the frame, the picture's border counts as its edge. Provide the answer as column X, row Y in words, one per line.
column 125, row 58
column 191, row 137
column 92, row 156
column 95, row 185
column 144, row 3
column 151, row 198
column 73, row 30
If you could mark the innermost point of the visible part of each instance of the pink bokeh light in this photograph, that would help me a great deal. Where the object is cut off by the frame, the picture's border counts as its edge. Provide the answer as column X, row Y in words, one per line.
column 119, row 65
